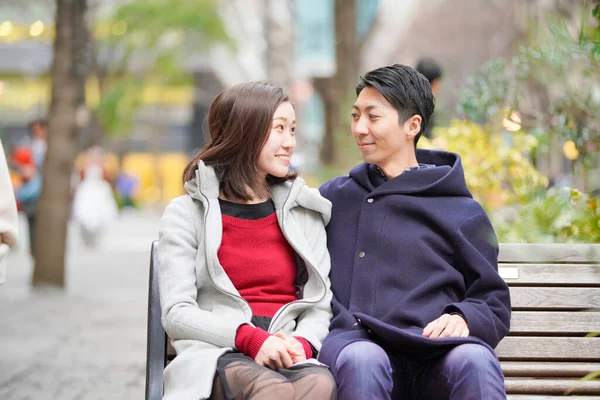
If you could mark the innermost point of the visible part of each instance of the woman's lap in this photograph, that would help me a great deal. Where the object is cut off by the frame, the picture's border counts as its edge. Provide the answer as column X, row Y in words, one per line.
column 240, row 377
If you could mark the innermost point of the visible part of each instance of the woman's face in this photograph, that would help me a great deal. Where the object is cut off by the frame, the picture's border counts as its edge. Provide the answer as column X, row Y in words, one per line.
column 274, row 158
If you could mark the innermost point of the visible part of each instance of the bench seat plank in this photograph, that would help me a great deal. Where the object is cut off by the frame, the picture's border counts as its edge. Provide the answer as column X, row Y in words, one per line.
column 551, row 386
column 554, row 322
column 529, row 298
column 548, row 369
column 549, row 348
column 548, row 252
column 551, row 274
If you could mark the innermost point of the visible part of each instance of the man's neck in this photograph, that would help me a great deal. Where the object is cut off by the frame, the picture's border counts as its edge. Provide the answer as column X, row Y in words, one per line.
column 396, row 166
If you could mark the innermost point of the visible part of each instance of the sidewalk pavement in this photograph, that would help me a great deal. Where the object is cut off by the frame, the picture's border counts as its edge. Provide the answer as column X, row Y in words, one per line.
column 89, row 340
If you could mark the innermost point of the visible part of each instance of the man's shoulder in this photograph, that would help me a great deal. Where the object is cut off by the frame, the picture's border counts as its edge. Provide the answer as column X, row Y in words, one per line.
column 335, row 185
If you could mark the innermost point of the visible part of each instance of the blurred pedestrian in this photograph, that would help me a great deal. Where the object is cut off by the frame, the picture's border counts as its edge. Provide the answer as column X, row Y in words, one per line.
column 8, row 214
column 38, row 129
column 432, row 70
column 94, row 205
column 28, row 192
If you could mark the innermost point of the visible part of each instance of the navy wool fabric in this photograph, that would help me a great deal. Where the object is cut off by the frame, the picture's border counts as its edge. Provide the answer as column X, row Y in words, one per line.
column 406, row 251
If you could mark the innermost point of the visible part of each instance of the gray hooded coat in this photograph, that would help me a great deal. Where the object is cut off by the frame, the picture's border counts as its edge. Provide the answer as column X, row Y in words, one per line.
column 201, row 309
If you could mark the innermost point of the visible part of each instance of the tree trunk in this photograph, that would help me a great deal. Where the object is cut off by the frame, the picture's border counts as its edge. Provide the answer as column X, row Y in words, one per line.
column 279, row 37
column 68, row 80
column 333, row 90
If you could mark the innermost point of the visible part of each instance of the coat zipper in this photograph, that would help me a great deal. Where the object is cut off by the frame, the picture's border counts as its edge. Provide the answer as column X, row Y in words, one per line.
column 210, row 277
column 315, row 271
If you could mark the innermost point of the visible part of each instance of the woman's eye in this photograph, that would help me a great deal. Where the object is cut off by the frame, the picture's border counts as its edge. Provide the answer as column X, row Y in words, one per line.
column 279, row 127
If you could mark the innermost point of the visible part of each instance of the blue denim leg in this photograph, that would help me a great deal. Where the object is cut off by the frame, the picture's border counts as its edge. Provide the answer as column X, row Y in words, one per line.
column 363, row 371
column 467, row 372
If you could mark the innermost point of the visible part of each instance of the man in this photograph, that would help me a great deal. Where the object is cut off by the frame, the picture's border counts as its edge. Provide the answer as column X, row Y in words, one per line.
column 38, row 129
column 418, row 302
column 433, row 72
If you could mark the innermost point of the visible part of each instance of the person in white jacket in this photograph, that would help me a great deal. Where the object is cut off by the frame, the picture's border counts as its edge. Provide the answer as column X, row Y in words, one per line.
column 8, row 214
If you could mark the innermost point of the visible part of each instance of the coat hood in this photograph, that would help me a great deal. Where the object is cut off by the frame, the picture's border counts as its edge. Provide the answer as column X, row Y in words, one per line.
column 447, row 178
column 286, row 195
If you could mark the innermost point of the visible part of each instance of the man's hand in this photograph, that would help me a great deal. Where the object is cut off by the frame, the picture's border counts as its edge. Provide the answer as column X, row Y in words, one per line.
column 275, row 353
column 447, row 326
column 297, row 350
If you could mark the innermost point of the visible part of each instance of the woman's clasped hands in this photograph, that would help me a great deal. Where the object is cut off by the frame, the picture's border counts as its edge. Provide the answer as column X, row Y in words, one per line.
column 280, row 351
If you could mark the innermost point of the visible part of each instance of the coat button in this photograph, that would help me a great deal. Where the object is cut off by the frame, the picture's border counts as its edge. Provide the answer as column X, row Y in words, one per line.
column 369, row 331
column 361, row 254
column 355, row 324
column 359, row 321
column 369, row 200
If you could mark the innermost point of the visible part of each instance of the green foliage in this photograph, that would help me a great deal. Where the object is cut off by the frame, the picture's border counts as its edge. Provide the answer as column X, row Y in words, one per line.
column 558, row 215
column 497, row 167
column 157, row 33
column 553, row 82
column 485, row 95
column 118, row 105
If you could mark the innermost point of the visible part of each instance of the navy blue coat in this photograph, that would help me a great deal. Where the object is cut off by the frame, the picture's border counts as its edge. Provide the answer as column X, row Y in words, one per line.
column 407, row 251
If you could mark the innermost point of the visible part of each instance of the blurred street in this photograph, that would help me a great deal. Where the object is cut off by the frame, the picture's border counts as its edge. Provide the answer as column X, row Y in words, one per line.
column 88, row 342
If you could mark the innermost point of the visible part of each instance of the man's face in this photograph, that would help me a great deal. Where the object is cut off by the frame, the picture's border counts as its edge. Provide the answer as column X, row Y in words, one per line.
column 377, row 130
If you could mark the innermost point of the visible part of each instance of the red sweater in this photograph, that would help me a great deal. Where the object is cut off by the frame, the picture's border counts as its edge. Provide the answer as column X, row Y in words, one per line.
column 262, row 266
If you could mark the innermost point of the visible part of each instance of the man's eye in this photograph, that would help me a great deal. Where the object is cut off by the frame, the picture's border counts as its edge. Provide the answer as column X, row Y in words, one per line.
column 372, row 116
column 354, row 115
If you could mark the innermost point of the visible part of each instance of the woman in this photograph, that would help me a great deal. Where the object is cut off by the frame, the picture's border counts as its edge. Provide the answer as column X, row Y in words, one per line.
column 243, row 262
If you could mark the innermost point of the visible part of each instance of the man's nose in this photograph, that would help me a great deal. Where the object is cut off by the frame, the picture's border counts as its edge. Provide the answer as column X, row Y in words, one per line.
column 360, row 127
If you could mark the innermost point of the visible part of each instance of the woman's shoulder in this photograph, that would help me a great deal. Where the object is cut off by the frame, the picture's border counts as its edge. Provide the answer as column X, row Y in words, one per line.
column 181, row 207
column 311, row 199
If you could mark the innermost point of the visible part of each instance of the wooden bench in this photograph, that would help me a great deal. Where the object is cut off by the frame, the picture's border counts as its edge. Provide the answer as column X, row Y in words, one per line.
column 555, row 293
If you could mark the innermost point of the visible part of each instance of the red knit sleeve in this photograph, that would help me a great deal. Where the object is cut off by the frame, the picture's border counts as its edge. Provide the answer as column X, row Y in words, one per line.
column 306, row 346
column 250, row 339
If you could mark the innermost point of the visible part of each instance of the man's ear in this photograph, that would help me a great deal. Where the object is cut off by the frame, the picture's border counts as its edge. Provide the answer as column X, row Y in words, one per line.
column 413, row 126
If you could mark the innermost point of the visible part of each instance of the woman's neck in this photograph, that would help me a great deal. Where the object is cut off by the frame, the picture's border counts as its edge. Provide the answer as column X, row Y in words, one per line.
column 253, row 200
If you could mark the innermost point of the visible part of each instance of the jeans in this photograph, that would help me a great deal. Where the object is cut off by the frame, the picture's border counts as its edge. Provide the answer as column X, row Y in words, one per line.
column 364, row 370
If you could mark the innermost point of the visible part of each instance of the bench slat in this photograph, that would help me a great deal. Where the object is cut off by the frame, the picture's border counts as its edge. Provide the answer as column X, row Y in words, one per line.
column 548, row 369
column 548, row 253
column 549, row 348
column 554, row 274
column 554, row 298
column 555, row 322
column 553, row 386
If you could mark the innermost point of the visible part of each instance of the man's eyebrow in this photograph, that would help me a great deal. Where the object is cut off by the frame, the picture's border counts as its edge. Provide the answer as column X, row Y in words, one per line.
column 367, row 108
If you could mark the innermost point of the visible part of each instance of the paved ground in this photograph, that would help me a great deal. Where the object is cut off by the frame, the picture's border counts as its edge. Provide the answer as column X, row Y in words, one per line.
column 89, row 340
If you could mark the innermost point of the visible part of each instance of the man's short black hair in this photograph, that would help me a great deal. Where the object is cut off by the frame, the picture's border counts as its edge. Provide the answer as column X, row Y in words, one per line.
column 408, row 91
column 430, row 68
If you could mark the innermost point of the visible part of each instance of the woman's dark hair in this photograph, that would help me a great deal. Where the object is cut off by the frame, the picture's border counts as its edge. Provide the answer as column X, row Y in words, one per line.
column 239, row 123
column 408, row 91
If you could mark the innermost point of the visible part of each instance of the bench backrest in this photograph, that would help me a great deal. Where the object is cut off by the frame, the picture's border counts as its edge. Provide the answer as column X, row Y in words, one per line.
column 555, row 295
column 156, row 344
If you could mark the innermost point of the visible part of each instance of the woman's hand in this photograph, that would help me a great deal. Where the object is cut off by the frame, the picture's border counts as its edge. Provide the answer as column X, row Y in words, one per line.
column 276, row 353
column 297, row 354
